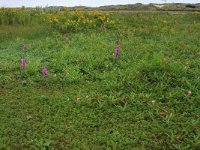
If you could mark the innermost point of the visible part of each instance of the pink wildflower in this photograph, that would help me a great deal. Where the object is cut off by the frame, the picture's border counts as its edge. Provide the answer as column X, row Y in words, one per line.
column 25, row 48
column 44, row 71
column 104, row 25
column 23, row 61
column 117, row 50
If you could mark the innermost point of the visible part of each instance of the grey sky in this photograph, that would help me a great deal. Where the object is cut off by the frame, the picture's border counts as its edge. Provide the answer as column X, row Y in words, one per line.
column 33, row 3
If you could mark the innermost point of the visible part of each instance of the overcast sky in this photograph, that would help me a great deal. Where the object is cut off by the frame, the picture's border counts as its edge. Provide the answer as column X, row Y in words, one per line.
column 33, row 3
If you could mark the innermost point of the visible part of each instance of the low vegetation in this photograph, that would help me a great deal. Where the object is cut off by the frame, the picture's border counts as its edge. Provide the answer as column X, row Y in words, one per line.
column 148, row 99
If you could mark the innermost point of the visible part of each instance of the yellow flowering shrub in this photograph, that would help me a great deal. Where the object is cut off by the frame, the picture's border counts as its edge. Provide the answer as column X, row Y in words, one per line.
column 63, row 20
column 79, row 20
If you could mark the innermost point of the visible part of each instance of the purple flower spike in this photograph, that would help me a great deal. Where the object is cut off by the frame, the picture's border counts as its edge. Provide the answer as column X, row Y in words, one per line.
column 117, row 50
column 44, row 71
column 23, row 61
column 104, row 25
column 25, row 48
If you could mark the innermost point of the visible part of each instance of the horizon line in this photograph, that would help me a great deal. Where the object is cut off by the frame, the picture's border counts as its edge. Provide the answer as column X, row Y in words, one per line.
column 94, row 6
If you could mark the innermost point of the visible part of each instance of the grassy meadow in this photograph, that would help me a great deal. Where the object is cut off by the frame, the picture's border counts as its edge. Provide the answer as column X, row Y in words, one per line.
column 148, row 99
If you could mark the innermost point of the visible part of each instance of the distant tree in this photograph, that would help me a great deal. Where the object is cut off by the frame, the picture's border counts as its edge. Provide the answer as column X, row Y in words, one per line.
column 190, row 6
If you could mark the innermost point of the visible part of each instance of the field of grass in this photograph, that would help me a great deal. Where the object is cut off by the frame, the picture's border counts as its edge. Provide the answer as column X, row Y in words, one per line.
column 149, row 99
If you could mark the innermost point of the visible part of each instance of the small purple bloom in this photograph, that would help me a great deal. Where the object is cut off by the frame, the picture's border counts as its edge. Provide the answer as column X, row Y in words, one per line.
column 25, row 48
column 23, row 61
column 117, row 50
column 44, row 71
column 104, row 25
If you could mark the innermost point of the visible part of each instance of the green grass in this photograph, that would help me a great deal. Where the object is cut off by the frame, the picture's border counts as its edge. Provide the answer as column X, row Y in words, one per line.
column 88, row 102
